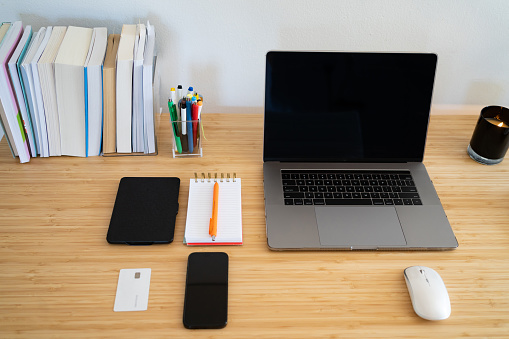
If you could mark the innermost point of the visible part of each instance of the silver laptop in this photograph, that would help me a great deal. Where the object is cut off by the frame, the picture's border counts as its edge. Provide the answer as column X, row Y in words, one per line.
column 344, row 138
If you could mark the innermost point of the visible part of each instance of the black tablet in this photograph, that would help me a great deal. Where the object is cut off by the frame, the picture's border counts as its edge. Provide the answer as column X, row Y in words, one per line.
column 145, row 211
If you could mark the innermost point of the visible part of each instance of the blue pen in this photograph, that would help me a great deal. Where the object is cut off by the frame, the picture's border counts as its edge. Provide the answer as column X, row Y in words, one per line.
column 189, row 124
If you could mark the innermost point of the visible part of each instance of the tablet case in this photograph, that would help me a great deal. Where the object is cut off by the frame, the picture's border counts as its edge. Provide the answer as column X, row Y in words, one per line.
column 145, row 211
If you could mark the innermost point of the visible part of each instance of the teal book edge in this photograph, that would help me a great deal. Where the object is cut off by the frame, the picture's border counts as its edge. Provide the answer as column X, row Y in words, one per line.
column 29, row 114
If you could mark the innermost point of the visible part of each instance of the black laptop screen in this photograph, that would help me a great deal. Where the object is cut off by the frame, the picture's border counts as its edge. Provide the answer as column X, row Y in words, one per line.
column 347, row 107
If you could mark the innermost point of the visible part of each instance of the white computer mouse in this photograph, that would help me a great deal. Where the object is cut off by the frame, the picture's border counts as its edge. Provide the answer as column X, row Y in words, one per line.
column 428, row 293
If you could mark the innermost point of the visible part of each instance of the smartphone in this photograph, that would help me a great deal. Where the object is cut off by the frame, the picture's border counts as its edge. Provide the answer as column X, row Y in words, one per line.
column 206, row 296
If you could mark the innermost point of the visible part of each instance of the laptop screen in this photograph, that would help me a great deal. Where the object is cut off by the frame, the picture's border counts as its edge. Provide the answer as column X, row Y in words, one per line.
column 347, row 107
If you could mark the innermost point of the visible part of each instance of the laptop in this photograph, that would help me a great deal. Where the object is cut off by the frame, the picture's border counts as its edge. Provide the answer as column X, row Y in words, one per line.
column 344, row 138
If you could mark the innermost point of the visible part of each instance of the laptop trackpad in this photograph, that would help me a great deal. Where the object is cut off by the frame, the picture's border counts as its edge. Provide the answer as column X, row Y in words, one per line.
column 358, row 226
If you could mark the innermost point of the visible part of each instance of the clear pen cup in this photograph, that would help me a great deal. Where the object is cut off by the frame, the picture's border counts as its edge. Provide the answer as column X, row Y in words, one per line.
column 186, row 137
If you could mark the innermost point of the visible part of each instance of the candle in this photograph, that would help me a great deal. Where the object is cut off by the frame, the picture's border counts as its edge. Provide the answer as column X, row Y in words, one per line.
column 490, row 139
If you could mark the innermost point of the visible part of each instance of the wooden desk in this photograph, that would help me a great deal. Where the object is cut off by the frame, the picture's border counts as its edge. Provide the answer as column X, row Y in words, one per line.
column 59, row 275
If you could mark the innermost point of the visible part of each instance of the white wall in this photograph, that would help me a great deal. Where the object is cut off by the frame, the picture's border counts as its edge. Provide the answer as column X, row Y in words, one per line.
column 219, row 46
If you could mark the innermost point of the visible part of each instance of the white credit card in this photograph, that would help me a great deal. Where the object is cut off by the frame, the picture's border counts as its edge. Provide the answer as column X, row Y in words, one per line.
column 132, row 289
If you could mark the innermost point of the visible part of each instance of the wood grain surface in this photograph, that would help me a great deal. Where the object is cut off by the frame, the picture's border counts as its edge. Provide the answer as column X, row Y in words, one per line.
column 59, row 275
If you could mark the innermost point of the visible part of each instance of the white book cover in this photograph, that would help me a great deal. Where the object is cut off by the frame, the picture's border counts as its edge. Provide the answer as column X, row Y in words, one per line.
column 124, row 88
column 137, row 123
column 3, row 118
column 41, row 116
column 7, row 96
column 6, row 131
column 46, row 68
column 148, row 96
column 70, row 89
column 94, row 90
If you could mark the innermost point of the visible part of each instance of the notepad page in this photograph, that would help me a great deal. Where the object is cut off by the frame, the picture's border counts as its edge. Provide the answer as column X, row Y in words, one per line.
column 199, row 212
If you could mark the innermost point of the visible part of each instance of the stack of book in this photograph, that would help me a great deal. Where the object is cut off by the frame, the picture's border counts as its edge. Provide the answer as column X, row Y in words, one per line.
column 77, row 91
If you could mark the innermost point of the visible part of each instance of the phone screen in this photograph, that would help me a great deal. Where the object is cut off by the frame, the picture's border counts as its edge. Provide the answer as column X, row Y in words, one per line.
column 206, row 296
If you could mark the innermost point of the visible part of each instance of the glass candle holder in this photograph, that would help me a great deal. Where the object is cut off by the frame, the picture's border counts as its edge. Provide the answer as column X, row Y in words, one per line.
column 490, row 139
column 186, row 138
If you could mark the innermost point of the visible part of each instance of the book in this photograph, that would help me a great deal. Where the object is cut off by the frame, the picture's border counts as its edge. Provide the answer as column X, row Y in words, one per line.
column 124, row 83
column 6, row 131
column 70, row 88
column 13, row 120
column 32, row 87
column 27, row 94
column 145, row 211
column 137, row 122
column 4, row 27
column 109, row 95
column 41, row 116
column 46, row 69
column 13, row 67
column 28, row 86
column 94, row 91
column 199, row 211
column 148, row 91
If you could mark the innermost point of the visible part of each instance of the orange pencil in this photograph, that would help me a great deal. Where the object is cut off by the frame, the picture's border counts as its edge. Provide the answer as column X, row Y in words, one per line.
column 213, row 220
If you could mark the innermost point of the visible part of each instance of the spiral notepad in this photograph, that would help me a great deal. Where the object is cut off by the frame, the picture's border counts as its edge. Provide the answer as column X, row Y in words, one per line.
column 199, row 210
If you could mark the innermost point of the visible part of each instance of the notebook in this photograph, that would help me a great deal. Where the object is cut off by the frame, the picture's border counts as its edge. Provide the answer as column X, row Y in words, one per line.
column 145, row 211
column 199, row 210
column 344, row 139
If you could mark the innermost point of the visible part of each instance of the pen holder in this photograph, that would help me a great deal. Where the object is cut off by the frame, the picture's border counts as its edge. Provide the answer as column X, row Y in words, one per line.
column 186, row 138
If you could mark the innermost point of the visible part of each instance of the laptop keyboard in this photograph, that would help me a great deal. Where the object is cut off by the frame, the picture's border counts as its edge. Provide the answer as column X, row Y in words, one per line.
column 340, row 187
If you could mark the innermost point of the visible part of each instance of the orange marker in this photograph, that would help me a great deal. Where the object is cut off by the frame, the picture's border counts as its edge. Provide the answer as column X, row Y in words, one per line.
column 213, row 220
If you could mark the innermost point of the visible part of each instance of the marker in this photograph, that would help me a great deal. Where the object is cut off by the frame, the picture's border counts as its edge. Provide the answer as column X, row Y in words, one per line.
column 194, row 116
column 183, row 136
column 179, row 96
column 179, row 92
column 215, row 207
column 173, row 116
column 200, row 105
column 189, row 124
column 173, row 95
column 190, row 90
column 183, row 115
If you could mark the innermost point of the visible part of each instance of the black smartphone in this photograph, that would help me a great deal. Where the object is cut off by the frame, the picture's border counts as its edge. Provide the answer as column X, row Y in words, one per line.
column 206, row 296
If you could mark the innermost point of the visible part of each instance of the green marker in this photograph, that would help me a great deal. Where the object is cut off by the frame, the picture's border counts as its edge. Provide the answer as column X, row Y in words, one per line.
column 173, row 118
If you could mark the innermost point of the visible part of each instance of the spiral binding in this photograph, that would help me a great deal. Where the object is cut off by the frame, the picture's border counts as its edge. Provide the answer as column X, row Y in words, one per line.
column 209, row 177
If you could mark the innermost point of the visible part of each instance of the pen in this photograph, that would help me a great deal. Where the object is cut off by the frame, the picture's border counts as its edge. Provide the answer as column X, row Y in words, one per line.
column 215, row 206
